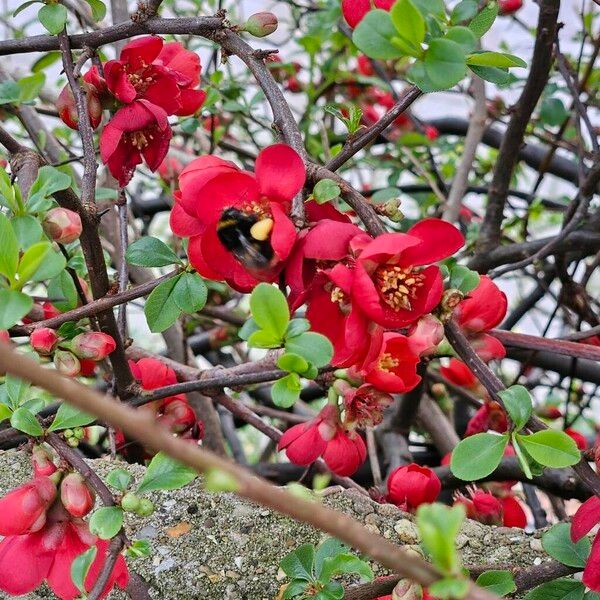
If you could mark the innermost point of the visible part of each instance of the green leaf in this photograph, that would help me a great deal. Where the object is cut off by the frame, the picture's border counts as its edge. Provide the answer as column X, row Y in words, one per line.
column 25, row 5
column 270, row 309
column 463, row 279
column 478, row 455
column 165, row 473
column 30, row 86
column 190, row 293
column 68, row 416
column 449, row 588
column 5, row 412
column 326, row 190
column 553, row 112
column 463, row 36
column 151, row 252
column 557, row 543
column 409, row 23
column 434, row 8
column 46, row 60
column 247, row 329
column 344, row 563
column 63, row 289
column 263, row 339
column 16, row 388
column 10, row 92
column 293, row 363
column 522, row 457
column 314, row 347
column 217, row 480
column 328, row 549
column 9, row 248
column 31, row 261
column 106, row 522
column 484, row 20
column 497, row 582
column 463, row 11
column 295, row 588
column 53, row 264
column 15, row 306
column 27, row 229
column 139, row 549
column 551, row 448
column 495, row 59
column 81, row 566
column 296, row 327
column 518, row 403
column 53, row 17
column 119, row 479
column 98, row 9
column 285, row 391
column 445, row 63
column 160, row 308
column 559, row 589
column 501, row 77
column 299, row 563
column 49, row 181
column 373, row 35
column 24, row 420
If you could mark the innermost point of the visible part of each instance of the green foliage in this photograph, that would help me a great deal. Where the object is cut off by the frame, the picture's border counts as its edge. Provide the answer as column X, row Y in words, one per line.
column 497, row 582
column 119, row 479
column 190, row 293
column 286, row 391
column 22, row 91
column 374, row 35
column 478, row 455
column 81, row 566
column 53, row 17
column 559, row 589
column 106, row 521
column 463, row 279
column 98, row 9
column 270, row 310
column 518, row 404
column 151, row 252
column 217, row 480
column 15, row 305
column 352, row 121
column 68, row 417
column 24, row 420
column 325, row 191
column 165, row 473
column 557, row 543
column 550, row 448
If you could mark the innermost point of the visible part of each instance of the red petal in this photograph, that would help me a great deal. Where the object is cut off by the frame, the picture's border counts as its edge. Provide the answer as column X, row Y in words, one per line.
column 117, row 81
column 440, row 240
column 388, row 247
column 23, row 563
column 119, row 575
column 109, row 140
column 330, row 240
column 280, row 172
column 155, row 152
column 141, row 51
column 514, row 515
column 586, row 517
column 184, row 63
column 183, row 224
column 343, row 454
column 59, row 577
column 484, row 307
column 283, row 235
column 355, row 10
column 488, row 347
column 317, row 212
column 164, row 92
column 191, row 101
column 591, row 574
column 134, row 117
column 197, row 260
column 302, row 444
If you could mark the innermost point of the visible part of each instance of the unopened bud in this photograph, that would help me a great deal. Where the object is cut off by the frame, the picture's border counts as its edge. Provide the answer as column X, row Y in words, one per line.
column 43, row 340
column 79, row 433
column 261, row 24
column 439, row 390
column 42, row 462
column 406, row 589
column 391, row 209
column 67, row 109
column 508, row 7
column 130, row 502
column 178, row 415
column 73, row 442
column 451, row 299
column 62, row 225
column 146, row 508
column 76, row 496
column 66, row 362
column 94, row 345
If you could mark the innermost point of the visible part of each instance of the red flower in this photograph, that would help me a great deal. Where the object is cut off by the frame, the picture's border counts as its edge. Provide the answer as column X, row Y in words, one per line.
column 162, row 75
column 140, row 129
column 345, row 452
column 585, row 519
column 459, row 374
column 43, row 340
column 395, row 369
column 211, row 187
column 411, row 485
column 95, row 90
column 490, row 416
column 355, row 10
column 364, row 65
column 432, row 132
column 24, row 509
column 425, row 335
column 389, row 285
column 27, row 560
column 508, row 7
column 514, row 515
column 76, row 496
column 94, row 345
column 364, row 406
column 482, row 507
column 42, row 462
column 152, row 373
column 305, row 442
column 578, row 438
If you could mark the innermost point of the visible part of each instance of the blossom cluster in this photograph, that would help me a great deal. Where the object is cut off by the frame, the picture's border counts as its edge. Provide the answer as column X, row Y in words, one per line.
column 150, row 81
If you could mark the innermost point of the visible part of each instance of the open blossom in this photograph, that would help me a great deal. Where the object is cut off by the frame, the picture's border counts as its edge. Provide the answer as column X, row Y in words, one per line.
column 364, row 405
column 355, row 10
column 24, row 509
column 490, row 416
column 411, row 485
column 391, row 283
column 238, row 221
column 137, row 131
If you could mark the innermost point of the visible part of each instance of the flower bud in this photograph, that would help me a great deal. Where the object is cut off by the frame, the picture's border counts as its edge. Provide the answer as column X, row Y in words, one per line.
column 578, row 438
column 67, row 109
column 425, row 335
column 62, row 225
column 73, row 442
column 130, row 502
column 88, row 367
column 76, row 496
column 67, row 363
column 94, row 345
column 432, row 132
column 42, row 462
column 177, row 415
column 406, row 589
column 508, row 7
column 451, row 299
column 411, row 485
column 482, row 507
column 24, row 509
column 43, row 340
column 146, row 508
column 261, row 24
column 391, row 209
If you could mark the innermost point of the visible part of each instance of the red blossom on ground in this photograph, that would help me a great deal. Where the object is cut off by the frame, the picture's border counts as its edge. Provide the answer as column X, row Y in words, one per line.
column 355, row 10
column 391, row 283
column 411, row 485
column 209, row 187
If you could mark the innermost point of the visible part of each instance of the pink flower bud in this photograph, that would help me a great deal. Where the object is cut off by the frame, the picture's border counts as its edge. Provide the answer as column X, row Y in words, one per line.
column 67, row 363
column 92, row 344
column 43, row 340
column 42, row 463
column 508, row 7
column 4, row 336
column 67, row 109
column 62, row 225
column 24, row 509
column 425, row 336
column 482, row 507
column 406, row 589
column 432, row 132
column 177, row 415
column 76, row 496
column 261, row 24
column 412, row 485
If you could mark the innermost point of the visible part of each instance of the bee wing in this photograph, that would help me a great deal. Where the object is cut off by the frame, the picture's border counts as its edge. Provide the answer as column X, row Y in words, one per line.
column 249, row 255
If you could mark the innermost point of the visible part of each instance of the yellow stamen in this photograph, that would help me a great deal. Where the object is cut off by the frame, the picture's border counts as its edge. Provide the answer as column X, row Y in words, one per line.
column 398, row 285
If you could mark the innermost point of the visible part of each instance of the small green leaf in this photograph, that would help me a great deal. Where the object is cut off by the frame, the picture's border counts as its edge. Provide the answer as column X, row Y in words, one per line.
column 293, row 363
column 314, row 347
column 409, row 23
column 270, row 309
column 53, row 17
column 449, row 588
column 46, row 60
column 463, row 36
column 63, row 289
column 484, row 20
column 463, row 279
column 5, row 412
column 559, row 589
column 501, row 77
column 285, row 391
column 247, row 329
column 24, row 420
column 463, row 11
column 151, row 252
column 165, row 473
column 217, row 480
column 445, row 63
column 48, row 181
column 106, row 522
column 299, row 563
column 478, row 455
column 81, row 566
column 296, row 327
column 518, row 403
column 27, row 229
column 328, row 549
column 344, row 563
column 557, row 543
column 9, row 248
column 326, row 190
column 294, row 588
column 160, row 308
column 497, row 582
column 264, row 339
column 495, row 59
column 16, row 388
column 68, row 416
column 119, row 479
column 139, row 549
column 373, row 35
column 190, row 293
column 25, row 5
column 30, row 86
column 551, row 448
column 98, row 9
column 434, row 8
column 31, row 261
column 15, row 306
column 53, row 264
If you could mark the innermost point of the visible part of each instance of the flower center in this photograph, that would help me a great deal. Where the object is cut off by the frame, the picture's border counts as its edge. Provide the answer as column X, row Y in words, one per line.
column 140, row 139
column 141, row 79
column 337, row 295
column 387, row 362
column 398, row 285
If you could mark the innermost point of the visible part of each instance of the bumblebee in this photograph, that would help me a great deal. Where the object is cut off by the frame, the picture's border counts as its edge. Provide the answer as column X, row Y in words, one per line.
column 246, row 236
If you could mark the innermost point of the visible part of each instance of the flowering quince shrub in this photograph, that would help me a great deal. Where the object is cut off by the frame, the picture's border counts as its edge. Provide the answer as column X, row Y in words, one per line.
column 286, row 257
